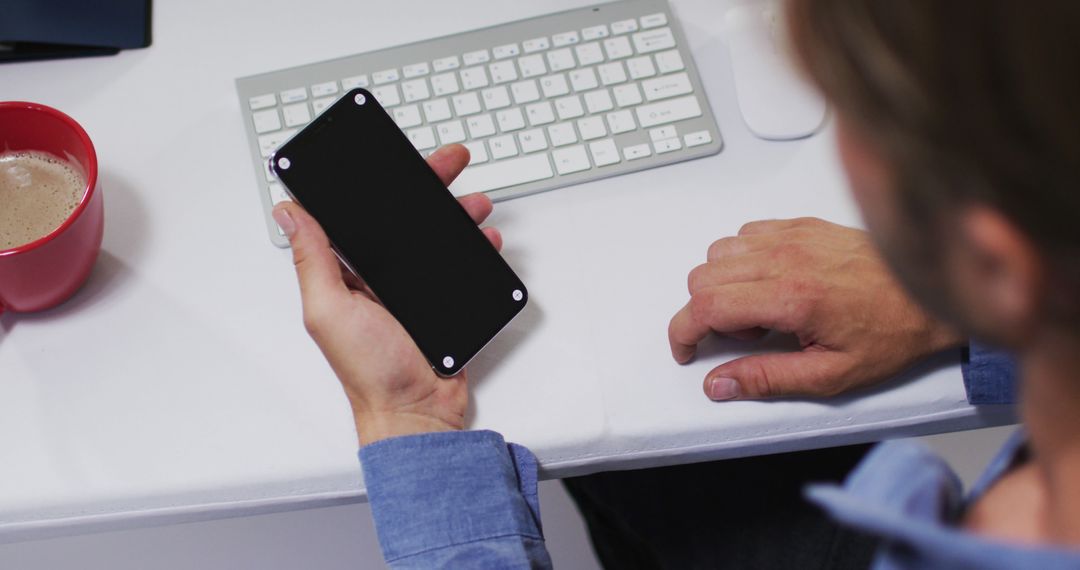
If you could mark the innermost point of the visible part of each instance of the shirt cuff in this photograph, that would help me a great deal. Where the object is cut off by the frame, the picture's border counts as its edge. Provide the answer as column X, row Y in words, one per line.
column 990, row 376
column 438, row 490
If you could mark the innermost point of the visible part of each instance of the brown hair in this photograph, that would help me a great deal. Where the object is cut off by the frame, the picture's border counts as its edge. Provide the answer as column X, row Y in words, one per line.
column 968, row 100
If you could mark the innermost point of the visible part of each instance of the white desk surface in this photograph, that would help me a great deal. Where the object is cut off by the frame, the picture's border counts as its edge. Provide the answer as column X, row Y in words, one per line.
column 179, row 383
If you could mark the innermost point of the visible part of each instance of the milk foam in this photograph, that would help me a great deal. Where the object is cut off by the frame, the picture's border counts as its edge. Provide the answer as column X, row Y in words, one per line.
column 38, row 191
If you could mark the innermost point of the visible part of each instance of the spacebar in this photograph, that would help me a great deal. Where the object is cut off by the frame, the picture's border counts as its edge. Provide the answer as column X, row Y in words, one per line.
column 501, row 174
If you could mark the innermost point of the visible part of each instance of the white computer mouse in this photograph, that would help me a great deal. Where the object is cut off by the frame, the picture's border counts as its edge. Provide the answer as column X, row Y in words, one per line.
column 775, row 102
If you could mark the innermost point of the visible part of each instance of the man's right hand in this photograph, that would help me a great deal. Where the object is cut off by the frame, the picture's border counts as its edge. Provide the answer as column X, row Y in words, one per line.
column 822, row 282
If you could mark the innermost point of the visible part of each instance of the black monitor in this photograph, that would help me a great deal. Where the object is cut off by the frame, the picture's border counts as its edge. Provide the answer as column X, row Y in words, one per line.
column 46, row 29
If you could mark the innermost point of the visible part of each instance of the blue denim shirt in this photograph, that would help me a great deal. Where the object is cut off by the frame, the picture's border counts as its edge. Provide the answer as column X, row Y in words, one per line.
column 905, row 494
column 468, row 499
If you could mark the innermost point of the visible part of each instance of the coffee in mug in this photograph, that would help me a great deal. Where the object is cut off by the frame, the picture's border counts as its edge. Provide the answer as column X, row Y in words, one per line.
column 38, row 192
column 52, row 216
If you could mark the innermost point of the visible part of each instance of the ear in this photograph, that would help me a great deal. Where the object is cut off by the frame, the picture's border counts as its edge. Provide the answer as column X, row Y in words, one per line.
column 998, row 273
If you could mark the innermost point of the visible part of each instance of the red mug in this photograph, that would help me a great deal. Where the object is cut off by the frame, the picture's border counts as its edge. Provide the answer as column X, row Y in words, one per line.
column 47, row 271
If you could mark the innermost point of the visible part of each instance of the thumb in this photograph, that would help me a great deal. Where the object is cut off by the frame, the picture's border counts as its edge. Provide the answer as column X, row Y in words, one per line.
column 316, row 265
column 806, row 373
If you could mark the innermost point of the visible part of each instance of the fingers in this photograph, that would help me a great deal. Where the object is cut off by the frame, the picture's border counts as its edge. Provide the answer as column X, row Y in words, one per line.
column 808, row 373
column 742, row 245
column 448, row 162
column 494, row 237
column 737, row 309
column 316, row 267
column 477, row 205
column 737, row 269
column 772, row 226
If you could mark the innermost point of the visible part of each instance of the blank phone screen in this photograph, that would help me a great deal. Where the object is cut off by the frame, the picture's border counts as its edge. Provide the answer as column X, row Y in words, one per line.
column 394, row 222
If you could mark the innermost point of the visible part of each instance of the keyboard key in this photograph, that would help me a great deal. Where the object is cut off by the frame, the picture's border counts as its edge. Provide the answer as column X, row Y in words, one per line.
column 618, row 47
column 532, row 66
column 385, row 76
column 477, row 152
column 450, row 132
column 422, row 137
column 571, row 159
column 476, row 57
column 560, row 59
column 654, row 40
column 262, row 101
column 627, row 95
column 278, row 194
column 415, row 90
column 562, row 134
column 604, row 152
column 501, row 72
column 589, row 54
column 667, row 145
column 540, row 113
column 595, row 32
column 637, row 151
column 320, row 105
column 535, row 44
column 495, row 98
column 640, row 67
column 473, row 78
column 554, row 85
column 669, row 61
column 525, row 91
column 505, row 51
column 502, row 174
column 697, row 138
column 296, row 114
column 611, row 73
column 665, row 132
column 598, row 101
column 653, row 20
column 620, row 122
column 293, row 95
column 565, row 39
column 266, row 121
column 387, row 95
column 569, row 107
column 446, row 64
column 350, row 83
column 532, row 140
column 591, row 128
column 324, row 89
column 444, row 84
column 480, row 126
column 415, row 70
column 269, row 143
column 624, row 26
column 667, row 86
column 436, row 110
column 502, row 147
column 407, row 116
column 668, row 111
column 510, row 120
column 583, row 79
column 466, row 103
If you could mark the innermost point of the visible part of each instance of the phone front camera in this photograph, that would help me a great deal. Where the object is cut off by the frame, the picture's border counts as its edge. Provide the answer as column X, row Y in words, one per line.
column 360, row 99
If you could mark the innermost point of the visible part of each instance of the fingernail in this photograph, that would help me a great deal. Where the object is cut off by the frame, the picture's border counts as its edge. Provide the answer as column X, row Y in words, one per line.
column 723, row 389
column 284, row 221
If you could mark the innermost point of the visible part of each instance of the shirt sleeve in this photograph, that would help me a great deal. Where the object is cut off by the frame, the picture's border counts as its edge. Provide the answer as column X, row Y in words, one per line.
column 990, row 376
column 455, row 500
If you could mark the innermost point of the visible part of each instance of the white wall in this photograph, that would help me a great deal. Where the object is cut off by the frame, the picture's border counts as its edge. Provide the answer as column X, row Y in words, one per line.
column 343, row 537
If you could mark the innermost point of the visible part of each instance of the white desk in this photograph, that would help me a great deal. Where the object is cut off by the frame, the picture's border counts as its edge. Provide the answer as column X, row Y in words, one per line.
column 179, row 384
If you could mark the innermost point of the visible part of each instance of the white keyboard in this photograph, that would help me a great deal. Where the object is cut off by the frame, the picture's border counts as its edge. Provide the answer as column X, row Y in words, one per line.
column 540, row 103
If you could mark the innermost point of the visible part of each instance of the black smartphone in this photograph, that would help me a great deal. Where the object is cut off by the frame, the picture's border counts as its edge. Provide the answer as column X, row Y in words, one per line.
column 394, row 224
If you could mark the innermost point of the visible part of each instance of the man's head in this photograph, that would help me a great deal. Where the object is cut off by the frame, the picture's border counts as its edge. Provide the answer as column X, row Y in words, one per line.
column 959, row 126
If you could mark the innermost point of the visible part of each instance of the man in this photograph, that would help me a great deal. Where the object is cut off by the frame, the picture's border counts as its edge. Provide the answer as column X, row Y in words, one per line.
column 956, row 124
